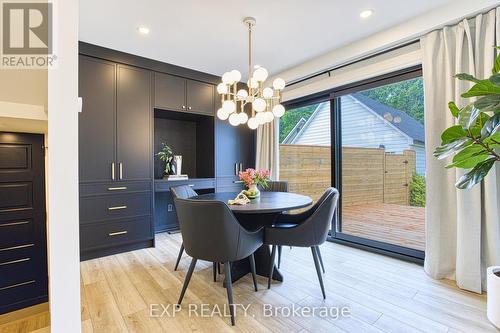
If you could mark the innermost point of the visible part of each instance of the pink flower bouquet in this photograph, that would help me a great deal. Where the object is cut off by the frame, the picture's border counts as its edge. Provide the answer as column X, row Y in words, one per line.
column 252, row 178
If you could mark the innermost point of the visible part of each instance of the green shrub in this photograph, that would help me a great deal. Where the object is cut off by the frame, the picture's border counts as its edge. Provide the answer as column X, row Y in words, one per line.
column 417, row 191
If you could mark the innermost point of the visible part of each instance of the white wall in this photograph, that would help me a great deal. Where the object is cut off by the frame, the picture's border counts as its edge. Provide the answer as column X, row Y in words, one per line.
column 64, row 251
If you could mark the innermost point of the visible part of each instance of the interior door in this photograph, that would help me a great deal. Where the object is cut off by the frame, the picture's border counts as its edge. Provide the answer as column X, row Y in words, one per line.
column 133, row 124
column 23, row 251
column 97, row 119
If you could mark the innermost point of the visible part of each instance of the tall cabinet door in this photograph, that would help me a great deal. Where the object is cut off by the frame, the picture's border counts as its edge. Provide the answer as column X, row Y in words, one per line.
column 97, row 119
column 133, row 123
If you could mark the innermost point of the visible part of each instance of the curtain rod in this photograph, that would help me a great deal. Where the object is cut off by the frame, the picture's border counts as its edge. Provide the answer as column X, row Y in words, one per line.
column 388, row 49
column 353, row 61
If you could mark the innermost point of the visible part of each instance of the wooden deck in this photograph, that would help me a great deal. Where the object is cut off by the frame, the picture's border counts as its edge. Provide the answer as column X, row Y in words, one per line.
column 394, row 224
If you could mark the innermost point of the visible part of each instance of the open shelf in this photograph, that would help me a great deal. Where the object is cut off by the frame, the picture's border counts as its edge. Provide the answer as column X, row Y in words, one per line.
column 189, row 135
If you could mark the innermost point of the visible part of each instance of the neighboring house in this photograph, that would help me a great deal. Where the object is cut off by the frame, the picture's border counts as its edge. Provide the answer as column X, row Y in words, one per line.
column 365, row 123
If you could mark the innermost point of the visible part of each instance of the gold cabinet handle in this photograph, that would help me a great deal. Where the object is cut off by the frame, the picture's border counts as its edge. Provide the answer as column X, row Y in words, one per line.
column 14, row 261
column 118, row 233
column 236, row 169
column 117, row 207
column 241, row 167
column 120, row 166
column 113, row 170
column 191, row 185
column 121, row 188
column 14, row 223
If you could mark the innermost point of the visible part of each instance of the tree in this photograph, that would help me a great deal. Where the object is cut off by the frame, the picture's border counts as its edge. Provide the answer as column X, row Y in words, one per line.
column 292, row 117
column 406, row 96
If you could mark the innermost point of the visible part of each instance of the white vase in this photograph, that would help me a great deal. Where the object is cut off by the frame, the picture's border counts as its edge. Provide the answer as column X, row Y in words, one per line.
column 493, row 282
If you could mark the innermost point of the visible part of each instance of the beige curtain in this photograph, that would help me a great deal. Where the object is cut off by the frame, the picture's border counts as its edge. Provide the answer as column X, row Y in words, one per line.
column 267, row 150
column 462, row 226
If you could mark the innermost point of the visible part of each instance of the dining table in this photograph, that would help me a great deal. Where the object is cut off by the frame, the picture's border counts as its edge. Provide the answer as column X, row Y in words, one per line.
column 259, row 213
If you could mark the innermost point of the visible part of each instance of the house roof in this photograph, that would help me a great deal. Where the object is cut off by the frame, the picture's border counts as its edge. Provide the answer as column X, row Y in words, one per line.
column 407, row 125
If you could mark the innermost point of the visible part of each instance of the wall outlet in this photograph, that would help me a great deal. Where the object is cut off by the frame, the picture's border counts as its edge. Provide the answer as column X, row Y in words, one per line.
column 170, row 208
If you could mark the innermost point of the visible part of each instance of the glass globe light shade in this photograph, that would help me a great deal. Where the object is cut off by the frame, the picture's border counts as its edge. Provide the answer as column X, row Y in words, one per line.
column 242, row 93
column 269, row 116
column 279, row 84
column 243, row 117
column 253, row 123
column 267, row 92
column 227, row 78
column 261, row 118
column 259, row 104
column 222, row 88
column 278, row 110
column 222, row 114
column 229, row 106
column 234, row 119
column 252, row 83
column 236, row 75
column 260, row 74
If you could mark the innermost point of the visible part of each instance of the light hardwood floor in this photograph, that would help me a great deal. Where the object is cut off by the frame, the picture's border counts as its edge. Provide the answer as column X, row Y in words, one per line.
column 383, row 295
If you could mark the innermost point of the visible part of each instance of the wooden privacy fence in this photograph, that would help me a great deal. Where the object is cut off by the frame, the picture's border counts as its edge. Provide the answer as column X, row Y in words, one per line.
column 369, row 175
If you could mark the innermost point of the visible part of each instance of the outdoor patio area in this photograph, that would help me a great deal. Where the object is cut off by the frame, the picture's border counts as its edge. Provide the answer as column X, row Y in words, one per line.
column 390, row 223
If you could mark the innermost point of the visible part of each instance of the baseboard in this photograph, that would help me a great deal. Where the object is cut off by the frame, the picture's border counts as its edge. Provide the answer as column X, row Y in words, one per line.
column 92, row 254
column 25, row 308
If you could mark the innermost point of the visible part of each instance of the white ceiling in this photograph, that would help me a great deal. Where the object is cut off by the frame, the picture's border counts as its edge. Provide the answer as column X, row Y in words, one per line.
column 209, row 36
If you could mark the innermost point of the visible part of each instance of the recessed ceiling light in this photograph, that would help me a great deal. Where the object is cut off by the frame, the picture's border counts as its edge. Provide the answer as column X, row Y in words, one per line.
column 366, row 13
column 143, row 30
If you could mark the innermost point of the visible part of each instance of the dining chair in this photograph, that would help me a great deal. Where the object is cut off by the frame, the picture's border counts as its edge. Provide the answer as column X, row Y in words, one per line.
column 211, row 232
column 307, row 229
column 183, row 192
column 276, row 186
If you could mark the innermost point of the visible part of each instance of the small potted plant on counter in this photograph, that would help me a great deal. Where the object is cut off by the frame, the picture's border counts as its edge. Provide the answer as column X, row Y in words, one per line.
column 252, row 178
column 167, row 155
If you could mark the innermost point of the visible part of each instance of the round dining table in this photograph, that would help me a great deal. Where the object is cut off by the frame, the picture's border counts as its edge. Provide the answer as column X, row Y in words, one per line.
column 259, row 213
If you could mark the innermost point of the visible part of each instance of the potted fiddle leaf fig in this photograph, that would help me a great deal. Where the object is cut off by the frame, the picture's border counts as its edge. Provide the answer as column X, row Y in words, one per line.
column 474, row 144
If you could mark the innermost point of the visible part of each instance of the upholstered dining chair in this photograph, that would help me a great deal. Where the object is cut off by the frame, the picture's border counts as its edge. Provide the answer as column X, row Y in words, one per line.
column 183, row 192
column 307, row 229
column 276, row 186
column 211, row 232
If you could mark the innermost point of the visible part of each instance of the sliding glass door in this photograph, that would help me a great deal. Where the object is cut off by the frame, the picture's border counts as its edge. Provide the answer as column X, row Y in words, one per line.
column 380, row 163
column 305, row 148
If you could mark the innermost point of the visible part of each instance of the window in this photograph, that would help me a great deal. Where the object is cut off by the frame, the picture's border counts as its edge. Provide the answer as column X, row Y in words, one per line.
column 305, row 154
column 367, row 140
column 381, row 163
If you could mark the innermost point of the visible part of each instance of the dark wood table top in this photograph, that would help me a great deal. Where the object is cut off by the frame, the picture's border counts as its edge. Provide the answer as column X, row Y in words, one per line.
column 268, row 202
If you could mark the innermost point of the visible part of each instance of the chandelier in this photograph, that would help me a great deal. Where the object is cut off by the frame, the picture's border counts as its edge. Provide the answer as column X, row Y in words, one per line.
column 264, row 101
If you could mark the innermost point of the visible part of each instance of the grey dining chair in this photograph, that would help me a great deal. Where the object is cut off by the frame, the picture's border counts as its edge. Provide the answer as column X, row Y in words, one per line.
column 307, row 229
column 211, row 232
column 186, row 192
column 183, row 192
column 276, row 186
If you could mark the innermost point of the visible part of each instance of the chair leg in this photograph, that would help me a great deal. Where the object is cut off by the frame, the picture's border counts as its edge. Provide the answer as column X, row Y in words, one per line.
column 279, row 255
column 229, row 287
column 187, row 279
column 218, row 267
column 214, row 266
column 271, row 267
column 179, row 256
column 320, row 259
column 254, row 275
column 318, row 271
